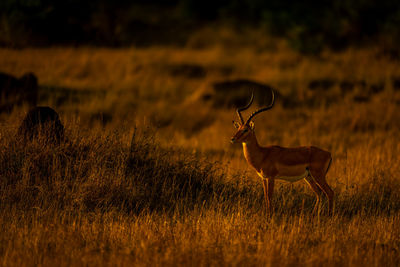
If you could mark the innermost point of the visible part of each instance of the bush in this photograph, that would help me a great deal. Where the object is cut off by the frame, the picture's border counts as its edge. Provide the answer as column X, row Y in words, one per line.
column 308, row 25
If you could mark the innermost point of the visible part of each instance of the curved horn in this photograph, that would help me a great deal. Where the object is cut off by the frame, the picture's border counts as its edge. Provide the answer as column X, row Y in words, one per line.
column 244, row 108
column 262, row 109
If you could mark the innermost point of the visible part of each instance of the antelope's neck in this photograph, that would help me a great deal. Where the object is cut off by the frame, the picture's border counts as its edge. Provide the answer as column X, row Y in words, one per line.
column 253, row 152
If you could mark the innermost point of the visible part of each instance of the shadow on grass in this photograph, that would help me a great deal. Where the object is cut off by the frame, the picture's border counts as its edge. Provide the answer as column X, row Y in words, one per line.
column 377, row 197
column 101, row 173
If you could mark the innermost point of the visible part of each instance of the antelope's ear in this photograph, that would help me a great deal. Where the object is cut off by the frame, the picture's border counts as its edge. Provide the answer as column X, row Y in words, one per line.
column 236, row 124
column 251, row 124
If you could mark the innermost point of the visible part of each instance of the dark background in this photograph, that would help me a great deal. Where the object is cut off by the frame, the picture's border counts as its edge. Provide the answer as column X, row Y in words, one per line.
column 307, row 25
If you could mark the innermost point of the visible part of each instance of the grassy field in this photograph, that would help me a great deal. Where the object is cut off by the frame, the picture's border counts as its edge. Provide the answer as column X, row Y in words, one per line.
column 147, row 175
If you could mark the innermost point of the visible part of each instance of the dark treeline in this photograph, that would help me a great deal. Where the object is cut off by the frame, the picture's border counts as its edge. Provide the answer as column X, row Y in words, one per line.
column 308, row 25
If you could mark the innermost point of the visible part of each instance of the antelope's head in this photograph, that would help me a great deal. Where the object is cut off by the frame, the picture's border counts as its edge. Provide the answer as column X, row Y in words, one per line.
column 246, row 128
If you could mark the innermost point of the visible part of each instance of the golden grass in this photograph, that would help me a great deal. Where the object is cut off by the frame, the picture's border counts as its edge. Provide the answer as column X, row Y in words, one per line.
column 77, row 204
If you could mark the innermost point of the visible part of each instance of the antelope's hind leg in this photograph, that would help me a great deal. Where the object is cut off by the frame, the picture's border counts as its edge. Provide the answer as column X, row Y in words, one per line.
column 310, row 181
column 319, row 178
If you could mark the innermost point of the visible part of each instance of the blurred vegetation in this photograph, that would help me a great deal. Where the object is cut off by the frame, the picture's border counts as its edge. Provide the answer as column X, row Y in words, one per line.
column 309, row 25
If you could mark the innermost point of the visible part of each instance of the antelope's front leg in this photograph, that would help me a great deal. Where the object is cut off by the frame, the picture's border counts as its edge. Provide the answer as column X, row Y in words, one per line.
column 268, row 184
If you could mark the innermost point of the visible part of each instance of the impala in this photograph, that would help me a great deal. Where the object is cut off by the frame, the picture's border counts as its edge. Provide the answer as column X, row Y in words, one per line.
column 290, row 164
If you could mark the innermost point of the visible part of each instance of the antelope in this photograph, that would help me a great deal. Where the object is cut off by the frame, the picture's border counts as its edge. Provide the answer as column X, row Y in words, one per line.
column 281, row 163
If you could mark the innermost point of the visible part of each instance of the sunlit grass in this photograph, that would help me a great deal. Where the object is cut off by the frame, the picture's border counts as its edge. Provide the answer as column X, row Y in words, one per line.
column 182, row 194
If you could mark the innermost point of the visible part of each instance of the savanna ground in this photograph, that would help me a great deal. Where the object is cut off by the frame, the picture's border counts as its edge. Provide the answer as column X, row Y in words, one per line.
column 147, row 175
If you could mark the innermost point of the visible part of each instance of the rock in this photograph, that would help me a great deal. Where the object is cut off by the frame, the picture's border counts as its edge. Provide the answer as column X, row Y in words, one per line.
column 236, row 93
column 42, row 123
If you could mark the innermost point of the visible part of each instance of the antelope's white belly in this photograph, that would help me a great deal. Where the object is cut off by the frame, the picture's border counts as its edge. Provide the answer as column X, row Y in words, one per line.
column 292, row 173
column 294, row 178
